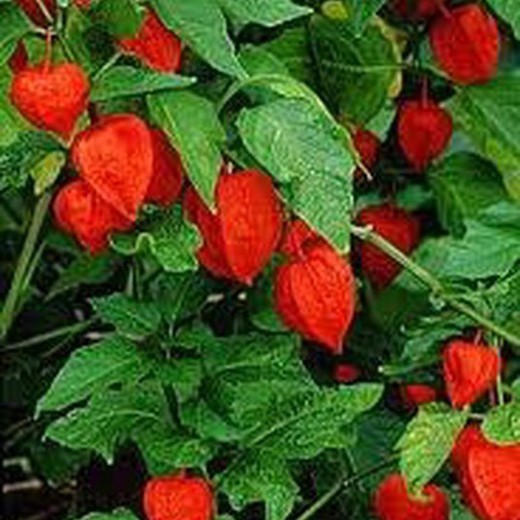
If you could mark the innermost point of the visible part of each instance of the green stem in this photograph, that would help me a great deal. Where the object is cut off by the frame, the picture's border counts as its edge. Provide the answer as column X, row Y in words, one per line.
column 11, row 303
column 66, row 48
column 69, row 330
column 342, row 485
column 391, row 371
column 322, row 501
column 368, row 235
column 108, row 65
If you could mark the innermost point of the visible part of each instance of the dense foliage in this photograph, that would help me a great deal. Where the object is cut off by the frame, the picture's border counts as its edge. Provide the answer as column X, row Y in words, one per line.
column 266, row 250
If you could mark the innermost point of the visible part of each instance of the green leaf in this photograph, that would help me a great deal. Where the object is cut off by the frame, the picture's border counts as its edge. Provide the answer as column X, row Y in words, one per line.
column 261, row 303
column 292, row 49
column 502, row 423
column 363, row 12
column 202, row 26
column 458, row 510
column 46, row 172
column 180, row 295
column 464, row 184
column 489, row 114
column 13, row 27
column 88, row 41
column 356, row 73
column 84, row 270
column 138, row 413
column 307, row 153
column 121, row 17
column 264, row 12
column 118, row 514
column 184, row 375
column 377, row 433
column 124, row 81
column 262, row 477
column 58, row 465
column 298, row 427
column 93, row 369
column 171, row 240
column 490, row 246
column 19, row 157
column 245, row 372
column 501, row 302
column 132, row 318
column 427, row 442
column 192, row 125
column 166, row 453
column 508, row 11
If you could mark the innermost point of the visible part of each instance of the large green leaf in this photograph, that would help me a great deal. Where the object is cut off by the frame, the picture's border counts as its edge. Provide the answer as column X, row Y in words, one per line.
column 138, row 413
column 263, row 12
column 509, row 12
column 356, row 72
column 464, row 184
column 132, row 318
column 172, row 241
column 298, row 427
column 124, row 81
column 489, row 114
column 307, row 154
column 245, row 373
column 427, row 442
column 192, row 126
column 202, row 26
column 92, row 369
column 490, row 247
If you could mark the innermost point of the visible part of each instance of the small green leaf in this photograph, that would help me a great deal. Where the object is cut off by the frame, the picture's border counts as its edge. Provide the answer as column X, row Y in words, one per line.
column 192, row 126
column 13, row 27
column 85, row 270
column 132, row 318
column 47, row 171
column 124, row 81
column 121, row 17
column 171, row 240
column 502, row 423
column 363, row 11
column 180, row 295
column 305, row 152
column 118, row 514
column 261, row 303
column 427, row 442
column 19, row 157
column 202, row 26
